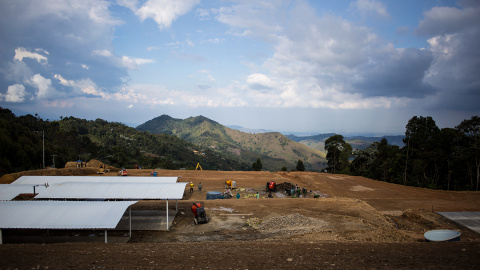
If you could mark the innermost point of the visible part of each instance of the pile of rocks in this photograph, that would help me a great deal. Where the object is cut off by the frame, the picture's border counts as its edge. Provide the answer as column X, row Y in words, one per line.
column 293, row 223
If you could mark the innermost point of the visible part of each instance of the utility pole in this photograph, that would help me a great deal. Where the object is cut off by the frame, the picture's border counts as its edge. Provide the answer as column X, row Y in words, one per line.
column 54, row 160
column 43, row 136
column 43, row 145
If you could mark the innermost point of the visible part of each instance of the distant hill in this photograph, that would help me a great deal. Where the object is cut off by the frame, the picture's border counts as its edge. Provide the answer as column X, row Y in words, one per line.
column 274, row 149
column 357, row 142
column 116, row 144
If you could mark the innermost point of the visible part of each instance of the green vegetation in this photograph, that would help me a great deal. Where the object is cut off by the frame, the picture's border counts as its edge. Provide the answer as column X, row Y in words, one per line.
column 257, row 165
column 71, row 139
column 300, row 167
column 338, row 154
column 431, row 157
column 274, row 149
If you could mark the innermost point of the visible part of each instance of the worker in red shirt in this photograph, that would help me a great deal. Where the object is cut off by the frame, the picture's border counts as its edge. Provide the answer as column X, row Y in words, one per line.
column 194, row 208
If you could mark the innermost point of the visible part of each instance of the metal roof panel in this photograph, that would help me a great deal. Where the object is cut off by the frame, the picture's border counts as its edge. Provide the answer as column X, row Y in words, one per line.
column 41, row 180
column 61, row 214
column 126, row 191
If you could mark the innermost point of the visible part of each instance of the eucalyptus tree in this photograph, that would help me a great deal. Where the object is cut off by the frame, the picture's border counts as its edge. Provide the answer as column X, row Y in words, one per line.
column 338, row 153
column 471, row 128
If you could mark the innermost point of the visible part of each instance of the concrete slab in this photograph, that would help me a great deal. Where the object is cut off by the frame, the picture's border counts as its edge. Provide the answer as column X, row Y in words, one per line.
column 470, row 220
column 147, row 220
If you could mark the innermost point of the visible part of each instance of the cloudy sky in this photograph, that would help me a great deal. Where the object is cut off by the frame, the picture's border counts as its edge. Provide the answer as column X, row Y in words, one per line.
column 305, row 66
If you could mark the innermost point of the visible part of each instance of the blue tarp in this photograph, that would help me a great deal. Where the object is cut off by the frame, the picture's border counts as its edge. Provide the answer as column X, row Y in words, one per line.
column 214, row 195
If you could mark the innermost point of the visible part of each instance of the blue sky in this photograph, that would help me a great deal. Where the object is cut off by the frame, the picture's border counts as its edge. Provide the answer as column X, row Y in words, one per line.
column 360, row 66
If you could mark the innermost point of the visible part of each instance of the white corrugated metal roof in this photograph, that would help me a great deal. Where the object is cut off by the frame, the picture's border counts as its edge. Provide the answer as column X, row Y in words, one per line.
column 40, row 180
column 128, row 191
column 61, row 214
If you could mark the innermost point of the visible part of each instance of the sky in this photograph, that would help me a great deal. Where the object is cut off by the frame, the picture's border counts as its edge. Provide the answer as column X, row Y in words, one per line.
column 358, row 66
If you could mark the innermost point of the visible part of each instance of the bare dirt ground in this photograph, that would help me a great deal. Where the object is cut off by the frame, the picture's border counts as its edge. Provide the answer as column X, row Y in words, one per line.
column 356, row 223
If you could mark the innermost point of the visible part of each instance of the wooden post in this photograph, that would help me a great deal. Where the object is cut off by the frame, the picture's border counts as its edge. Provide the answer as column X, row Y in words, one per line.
column 106, row 237
column 167, row 215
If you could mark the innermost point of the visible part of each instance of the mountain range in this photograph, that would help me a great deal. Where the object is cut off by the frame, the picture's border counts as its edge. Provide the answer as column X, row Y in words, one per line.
column 272, row 148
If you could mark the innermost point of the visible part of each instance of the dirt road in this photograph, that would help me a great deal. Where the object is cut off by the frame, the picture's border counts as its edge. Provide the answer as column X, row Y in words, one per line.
column 357, row 223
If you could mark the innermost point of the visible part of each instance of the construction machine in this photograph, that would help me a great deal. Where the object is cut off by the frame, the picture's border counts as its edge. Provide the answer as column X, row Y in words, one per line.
column 271, row 186
column 101, row 168
column 231, row 184
column 123, row 172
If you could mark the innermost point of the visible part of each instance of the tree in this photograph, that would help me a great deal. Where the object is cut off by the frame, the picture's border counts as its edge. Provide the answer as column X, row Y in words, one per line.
column 257, row 166
column 338, row 154
column 471, row 128
column 419, row 136
column 300, row 166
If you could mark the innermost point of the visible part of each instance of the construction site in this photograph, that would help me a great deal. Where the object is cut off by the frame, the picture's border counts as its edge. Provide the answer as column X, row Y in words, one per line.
column 333, row 222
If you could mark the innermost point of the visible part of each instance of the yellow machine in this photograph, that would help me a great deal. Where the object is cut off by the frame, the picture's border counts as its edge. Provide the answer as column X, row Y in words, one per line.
column 231, row 184
column 198, row 166
column 101, row 168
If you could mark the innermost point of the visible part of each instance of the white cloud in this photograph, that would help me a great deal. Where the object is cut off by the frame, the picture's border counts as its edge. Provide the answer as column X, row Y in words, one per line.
column 367, row 7
column 134, row 63
column 454, row 35
column 63, row 81
column 260, row 81
column 202, row 13
column 21, row 53
column 15, row 93
column 104, row 53
column 153, row 48
column 253, row 18
column 124, row 61
column 81, row 87
column 164, row 12
column 44, row 87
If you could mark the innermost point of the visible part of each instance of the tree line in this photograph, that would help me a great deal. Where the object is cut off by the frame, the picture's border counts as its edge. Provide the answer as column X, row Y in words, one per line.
column 447, row 158
column 25, row 140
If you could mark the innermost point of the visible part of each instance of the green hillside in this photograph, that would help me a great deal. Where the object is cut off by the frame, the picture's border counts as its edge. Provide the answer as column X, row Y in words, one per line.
column 274, row 149
column 357, row 142
column 116, row 144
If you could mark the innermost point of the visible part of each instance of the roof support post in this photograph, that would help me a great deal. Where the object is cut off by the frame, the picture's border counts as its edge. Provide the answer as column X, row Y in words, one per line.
column 106, row 237
column 1, row 237
column 167, row 215
column 130, row 219
column 176, row 205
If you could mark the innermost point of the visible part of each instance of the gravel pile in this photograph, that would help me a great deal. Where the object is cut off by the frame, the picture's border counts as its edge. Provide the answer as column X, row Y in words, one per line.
column 293, row 223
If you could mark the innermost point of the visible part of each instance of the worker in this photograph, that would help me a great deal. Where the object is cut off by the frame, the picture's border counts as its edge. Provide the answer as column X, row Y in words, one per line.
column 257, row 195
column 194, row 208
column 200, row 187
column 191, row 187
column 228, row 193
column 238, row 195
column 270, row 195
column 304, row 190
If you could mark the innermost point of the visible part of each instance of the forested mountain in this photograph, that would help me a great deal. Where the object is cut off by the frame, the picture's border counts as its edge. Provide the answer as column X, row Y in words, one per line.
column 274, row 149
column 357, row 142
column 70, row 139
